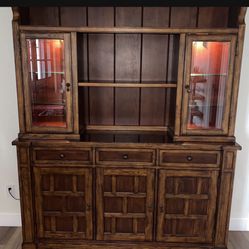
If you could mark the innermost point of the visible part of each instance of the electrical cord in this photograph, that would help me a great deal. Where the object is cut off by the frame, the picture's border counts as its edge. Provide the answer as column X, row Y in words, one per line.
column 9, row 190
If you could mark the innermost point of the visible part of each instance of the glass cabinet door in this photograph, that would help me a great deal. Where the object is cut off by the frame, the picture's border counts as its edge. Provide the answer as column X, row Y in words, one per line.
column 47, row 79
column 208, row 83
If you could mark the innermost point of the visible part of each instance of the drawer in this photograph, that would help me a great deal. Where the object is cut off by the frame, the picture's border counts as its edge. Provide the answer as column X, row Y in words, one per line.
column 125, row 156
column 42, row 155
column 189, row 157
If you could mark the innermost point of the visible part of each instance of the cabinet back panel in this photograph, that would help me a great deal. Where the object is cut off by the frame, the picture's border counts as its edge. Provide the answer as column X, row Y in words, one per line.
column 180, row 17
column 183, row 17
column 78, row 13
column 216, row 17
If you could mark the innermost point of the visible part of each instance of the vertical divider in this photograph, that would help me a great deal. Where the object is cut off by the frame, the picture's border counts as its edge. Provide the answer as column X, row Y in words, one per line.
column 141, row 69
column 75, row 83
column 167, row 91
column 180, row 77
column 114, row 69
column 88, row 77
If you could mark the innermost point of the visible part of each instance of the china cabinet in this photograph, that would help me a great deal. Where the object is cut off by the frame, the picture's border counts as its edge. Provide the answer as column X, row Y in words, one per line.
column 127, row 119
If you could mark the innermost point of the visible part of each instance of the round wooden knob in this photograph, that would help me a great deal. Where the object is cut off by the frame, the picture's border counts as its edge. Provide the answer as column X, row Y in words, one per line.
column 189, row 158
column 62, row 155
column 125, row 156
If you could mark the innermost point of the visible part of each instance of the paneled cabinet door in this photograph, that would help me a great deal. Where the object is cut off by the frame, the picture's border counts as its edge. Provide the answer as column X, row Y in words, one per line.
column 63, row 200
column 208, row 84
column 124, row 205
column 187, row 204
column 47, row 82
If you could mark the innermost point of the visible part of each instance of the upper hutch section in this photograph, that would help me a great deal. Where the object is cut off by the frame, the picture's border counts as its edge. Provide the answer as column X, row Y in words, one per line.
column 172, row 71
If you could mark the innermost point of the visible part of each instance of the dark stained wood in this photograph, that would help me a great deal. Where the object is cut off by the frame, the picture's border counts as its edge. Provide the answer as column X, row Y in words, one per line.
column 183, row 17
column 210, row 17
column 101, row 64
column 73, row 16
column 123, row 156
column 46, row 16
column 156, row 16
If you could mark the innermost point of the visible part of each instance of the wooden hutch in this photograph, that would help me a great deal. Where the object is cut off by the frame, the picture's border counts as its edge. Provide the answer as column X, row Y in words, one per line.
column 127, row 119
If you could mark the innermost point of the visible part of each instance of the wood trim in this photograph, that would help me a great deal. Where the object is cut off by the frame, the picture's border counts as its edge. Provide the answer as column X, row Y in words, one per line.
column 75, row 83
column 18, row 70
column 133, row 85
column 236, row 78
column 180, row 84
column 128, row 30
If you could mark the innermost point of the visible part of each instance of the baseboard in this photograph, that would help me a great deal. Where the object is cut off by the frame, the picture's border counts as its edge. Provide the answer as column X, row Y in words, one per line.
column 10, row 219
column 239, row 224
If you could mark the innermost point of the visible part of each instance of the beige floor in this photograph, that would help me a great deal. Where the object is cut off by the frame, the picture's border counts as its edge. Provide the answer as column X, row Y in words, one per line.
column 10, row 238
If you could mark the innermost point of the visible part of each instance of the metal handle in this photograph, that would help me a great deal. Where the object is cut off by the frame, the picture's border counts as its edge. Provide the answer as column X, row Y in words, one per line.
column 125, row 156
column 187, row 87
column 68, row 86
column 62, row 155
column 189, row 158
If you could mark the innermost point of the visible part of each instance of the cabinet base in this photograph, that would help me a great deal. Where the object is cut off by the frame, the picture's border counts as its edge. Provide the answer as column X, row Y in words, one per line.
column 119, row 246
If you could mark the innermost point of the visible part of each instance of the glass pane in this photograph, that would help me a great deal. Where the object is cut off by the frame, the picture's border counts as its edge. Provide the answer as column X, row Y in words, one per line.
column 47, row 82
column 208, row 79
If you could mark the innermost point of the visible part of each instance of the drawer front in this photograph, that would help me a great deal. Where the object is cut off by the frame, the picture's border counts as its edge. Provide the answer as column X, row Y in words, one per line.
column 124, row 156
column 62, row 155
column 193, row 158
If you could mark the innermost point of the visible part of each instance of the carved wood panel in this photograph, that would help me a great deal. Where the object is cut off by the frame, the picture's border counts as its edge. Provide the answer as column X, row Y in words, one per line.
column 63, row 202
column 125, row 200
column 187, row 204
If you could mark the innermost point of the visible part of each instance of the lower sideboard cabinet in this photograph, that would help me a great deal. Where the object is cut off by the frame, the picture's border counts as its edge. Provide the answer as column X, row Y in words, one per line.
column 178, row 202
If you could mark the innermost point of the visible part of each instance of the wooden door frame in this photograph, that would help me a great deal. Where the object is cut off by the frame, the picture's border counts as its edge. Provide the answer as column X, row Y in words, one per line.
column 163, row 173
column 150, row 174
column 88, row 196
column 68, row 78
column 229, row 84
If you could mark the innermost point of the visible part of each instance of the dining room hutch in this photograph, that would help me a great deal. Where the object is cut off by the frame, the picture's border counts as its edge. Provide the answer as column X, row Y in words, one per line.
column 127, row 118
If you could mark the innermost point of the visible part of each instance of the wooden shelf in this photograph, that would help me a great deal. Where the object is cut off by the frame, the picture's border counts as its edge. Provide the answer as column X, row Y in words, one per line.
column 129, row 30
column 135, row 85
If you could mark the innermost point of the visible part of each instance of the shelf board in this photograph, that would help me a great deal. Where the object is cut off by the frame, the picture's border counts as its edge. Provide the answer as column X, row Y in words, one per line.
column 204, row 75
column 135, row 85
column 126, row 128
column 153, row 30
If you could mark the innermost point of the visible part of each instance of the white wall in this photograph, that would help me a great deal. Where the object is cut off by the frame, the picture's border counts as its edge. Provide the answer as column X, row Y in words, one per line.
column 9, row 208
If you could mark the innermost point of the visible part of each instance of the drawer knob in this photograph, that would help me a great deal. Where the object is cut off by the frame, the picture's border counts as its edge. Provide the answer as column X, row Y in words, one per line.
column 125, row 156
column 62, row 155
column 189, row 158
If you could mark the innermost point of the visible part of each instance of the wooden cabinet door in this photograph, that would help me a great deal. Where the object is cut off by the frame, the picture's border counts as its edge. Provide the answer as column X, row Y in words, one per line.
column 208, row 84
column 47, row 82
column 63, row 200
column 186, row 206
column 124, row 204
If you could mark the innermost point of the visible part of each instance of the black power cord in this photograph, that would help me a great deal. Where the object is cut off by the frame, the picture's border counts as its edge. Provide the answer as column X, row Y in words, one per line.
column 9, row 190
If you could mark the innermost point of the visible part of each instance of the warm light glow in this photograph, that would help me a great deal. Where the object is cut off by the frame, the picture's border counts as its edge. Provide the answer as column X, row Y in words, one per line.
column 199, row 44
column 57, row 43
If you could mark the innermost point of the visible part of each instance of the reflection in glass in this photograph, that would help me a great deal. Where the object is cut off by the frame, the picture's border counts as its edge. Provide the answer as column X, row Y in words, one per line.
column 208, row 78
column 47, row 82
